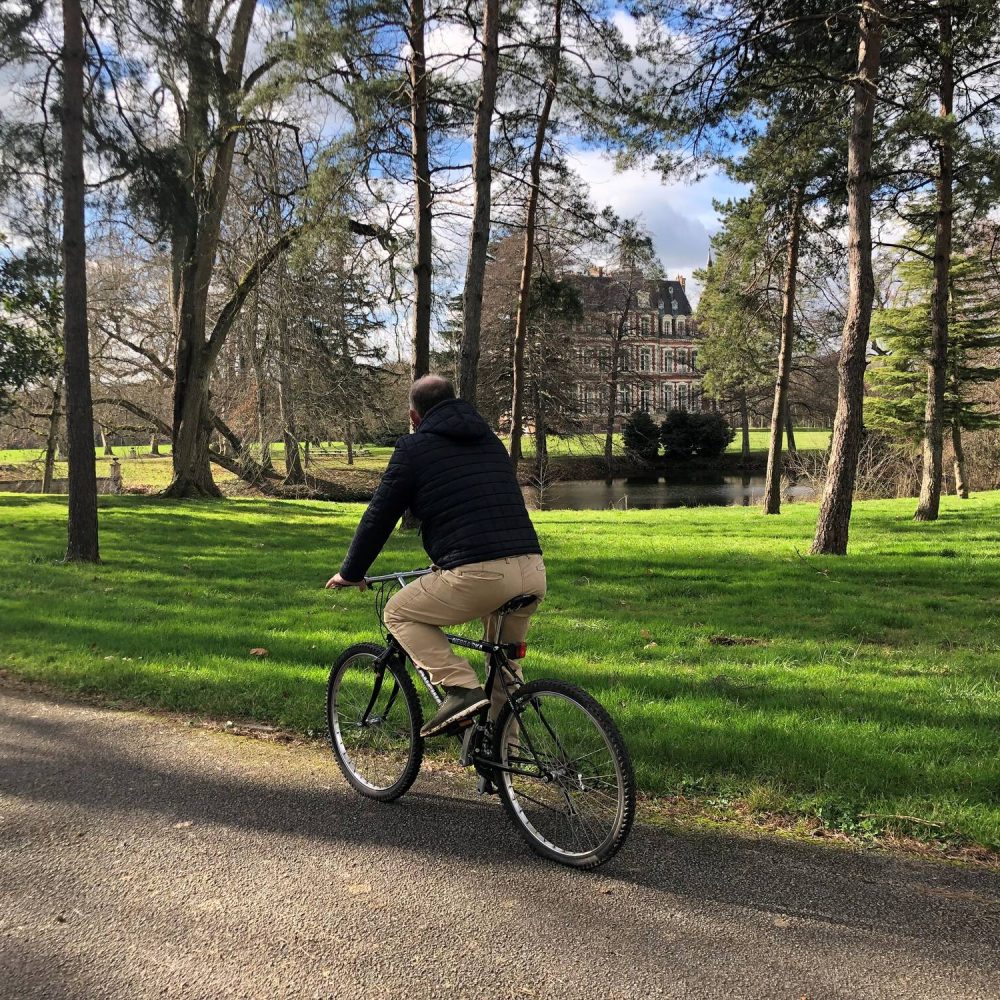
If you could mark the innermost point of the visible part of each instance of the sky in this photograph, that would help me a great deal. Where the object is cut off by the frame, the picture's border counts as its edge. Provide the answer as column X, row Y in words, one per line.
column 678, row 215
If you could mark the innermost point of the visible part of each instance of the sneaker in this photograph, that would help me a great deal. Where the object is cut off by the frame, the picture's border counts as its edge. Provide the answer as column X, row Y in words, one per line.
column 459, row 703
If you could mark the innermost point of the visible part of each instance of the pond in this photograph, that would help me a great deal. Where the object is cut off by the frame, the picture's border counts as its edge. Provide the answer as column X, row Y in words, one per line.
column 649, row 494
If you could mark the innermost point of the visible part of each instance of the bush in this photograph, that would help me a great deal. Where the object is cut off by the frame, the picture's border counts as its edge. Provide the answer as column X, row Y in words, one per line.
column 694, row 435
column 641, row 437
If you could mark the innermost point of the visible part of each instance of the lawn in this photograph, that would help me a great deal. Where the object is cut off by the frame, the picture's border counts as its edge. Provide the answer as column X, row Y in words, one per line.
column 741, row 671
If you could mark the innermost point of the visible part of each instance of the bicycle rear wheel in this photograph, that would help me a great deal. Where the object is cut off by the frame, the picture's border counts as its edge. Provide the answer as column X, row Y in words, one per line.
column 564, row 774
column 374, row 718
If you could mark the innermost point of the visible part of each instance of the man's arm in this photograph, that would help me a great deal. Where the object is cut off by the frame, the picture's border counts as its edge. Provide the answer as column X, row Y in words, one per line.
column 391, row 499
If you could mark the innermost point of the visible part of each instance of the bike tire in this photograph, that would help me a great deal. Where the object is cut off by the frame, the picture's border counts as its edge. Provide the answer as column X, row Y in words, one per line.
column 517, row 801
column 360, row 764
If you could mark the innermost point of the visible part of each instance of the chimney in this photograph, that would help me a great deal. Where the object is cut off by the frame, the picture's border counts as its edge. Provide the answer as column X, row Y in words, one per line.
column 682, row 281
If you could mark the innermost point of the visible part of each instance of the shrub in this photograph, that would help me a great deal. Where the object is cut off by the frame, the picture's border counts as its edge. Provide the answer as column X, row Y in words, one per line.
column 641, row 437
column 694, row 435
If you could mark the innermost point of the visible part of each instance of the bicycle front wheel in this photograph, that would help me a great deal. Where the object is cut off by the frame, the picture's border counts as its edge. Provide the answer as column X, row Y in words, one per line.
column 374, row 718
column 564, row 774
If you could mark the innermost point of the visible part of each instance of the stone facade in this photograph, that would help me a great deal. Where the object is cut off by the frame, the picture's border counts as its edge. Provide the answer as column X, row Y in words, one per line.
column 657, row 357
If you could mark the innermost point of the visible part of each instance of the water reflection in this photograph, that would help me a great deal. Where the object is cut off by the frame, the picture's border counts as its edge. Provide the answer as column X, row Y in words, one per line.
column 649, row 494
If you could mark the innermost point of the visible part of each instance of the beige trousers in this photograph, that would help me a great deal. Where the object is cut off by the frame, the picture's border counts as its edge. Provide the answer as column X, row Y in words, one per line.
column 416, row 614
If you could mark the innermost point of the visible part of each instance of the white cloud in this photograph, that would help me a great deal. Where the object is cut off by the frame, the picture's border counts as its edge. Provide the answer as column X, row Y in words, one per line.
column 678, row 215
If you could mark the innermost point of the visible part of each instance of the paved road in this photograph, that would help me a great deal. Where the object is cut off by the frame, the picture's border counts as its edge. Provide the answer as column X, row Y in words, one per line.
column 142, row 858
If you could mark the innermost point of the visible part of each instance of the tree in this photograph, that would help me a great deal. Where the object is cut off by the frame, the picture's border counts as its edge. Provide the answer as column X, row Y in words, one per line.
column 641, row 437
column 686, row 435
column 905, row 335
column 736, row 351
column 482, row 178
column 30, row 321
column 534, row 182
column 82, row 544
column 834, row 520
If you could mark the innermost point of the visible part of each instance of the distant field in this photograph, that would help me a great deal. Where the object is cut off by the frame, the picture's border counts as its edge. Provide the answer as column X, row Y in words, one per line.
column 330, row 460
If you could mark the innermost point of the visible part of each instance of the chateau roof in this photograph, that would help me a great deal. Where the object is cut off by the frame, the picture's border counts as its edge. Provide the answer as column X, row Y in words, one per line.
column 605, row 293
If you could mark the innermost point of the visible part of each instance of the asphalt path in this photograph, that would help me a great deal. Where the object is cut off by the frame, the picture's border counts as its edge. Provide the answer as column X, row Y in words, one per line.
column 140, row 857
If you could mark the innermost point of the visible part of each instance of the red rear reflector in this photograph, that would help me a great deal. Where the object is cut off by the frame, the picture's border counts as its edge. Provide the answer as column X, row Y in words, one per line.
column 520, row 651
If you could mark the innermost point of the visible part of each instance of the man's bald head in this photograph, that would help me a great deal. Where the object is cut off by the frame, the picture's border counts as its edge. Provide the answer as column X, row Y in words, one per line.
column 428, row 391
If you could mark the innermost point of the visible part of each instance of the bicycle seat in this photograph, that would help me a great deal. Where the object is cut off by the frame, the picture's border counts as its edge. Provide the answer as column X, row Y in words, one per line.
column 521, row 601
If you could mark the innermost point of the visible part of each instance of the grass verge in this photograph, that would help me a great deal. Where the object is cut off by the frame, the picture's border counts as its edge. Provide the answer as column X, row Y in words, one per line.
column 860, row 696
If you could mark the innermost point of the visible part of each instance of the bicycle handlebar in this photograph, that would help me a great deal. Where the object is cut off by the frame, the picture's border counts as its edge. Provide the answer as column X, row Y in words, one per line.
column 400, row 577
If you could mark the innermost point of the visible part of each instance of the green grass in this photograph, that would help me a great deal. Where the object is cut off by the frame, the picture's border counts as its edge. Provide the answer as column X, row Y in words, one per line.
column 739, row 670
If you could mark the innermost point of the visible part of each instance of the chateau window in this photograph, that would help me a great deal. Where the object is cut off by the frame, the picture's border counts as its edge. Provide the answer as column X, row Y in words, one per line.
column 643, row 299
column 682, row 396
column 666, row 396
column 673, row 359
column 623, row 364
column 644, row 325
column 645, row 400
column 602, row 359
column 680, row 326
column 694, row 360
column 624, row 399
column 645, row 360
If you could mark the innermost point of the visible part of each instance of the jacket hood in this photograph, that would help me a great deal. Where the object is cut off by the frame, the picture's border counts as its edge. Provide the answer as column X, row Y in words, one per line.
column 455, row 419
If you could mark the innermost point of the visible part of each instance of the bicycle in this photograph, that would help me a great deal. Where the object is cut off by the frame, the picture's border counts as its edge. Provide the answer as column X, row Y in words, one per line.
column 553, row 754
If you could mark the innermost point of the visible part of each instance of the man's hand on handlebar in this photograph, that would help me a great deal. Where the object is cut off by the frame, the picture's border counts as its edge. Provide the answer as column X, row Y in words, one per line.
column 337, row 582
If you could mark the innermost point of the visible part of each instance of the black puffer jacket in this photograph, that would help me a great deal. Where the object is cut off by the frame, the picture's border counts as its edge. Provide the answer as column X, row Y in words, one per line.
column 456, row 477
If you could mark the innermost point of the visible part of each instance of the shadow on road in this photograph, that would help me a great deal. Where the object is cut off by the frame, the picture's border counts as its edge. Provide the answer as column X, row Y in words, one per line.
column 51, row 760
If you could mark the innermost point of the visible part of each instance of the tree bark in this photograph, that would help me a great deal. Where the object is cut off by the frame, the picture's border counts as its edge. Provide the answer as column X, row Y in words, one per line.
column 937, row 363
column 961, row 478
column 524, row 286
column 82, row 533
column 744, row 429
column 52, row 436
column 541, row 433
column 789, row 429
column 420, row 151
column 772, row 481
column 294, row 473
column 208, row 145
column 154, row 444
column 482, row 177
column 834, row 521
column 617, row 336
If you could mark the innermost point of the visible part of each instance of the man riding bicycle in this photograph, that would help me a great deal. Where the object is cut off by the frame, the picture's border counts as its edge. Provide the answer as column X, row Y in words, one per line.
column 455, row 475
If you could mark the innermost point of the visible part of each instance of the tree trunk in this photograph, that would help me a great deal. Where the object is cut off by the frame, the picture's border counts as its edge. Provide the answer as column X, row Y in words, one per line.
column 541, row 433
column 82, row 535
column 422, row 191
column 191, row 426
column 772, row 481
column 349, row 440
column 482, row 177
column 294, row 473
column 203, row 178
column 834, row 521
column 154, row 444
column 937, row 363
column 305, row 455
column 106, row 448
column 52, row 437
column 961, row 478
column 789, row 429
column 524, row 286
column 744, row 429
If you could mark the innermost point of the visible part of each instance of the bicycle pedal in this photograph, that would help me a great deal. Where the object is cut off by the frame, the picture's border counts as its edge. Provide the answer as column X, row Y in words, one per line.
column 486, row 786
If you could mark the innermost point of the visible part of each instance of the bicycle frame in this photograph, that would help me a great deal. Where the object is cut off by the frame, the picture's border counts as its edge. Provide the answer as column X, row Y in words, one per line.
column 498, row 656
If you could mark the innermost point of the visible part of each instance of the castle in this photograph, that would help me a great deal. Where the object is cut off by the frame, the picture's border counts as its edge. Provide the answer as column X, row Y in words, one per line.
column 657, row 354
